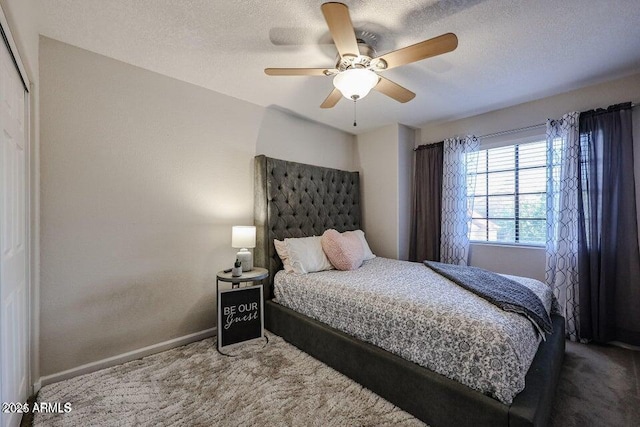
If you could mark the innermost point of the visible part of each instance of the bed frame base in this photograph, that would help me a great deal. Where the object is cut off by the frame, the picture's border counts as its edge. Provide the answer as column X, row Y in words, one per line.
column 430, row 397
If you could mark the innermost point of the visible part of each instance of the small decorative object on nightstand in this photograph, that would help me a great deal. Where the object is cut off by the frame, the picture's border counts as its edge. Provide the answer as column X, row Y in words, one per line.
column 240, row 310
column 243, row 237
column 236, row 271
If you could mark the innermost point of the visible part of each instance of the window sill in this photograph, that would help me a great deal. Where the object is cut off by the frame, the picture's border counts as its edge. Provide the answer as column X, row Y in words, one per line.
column 508, row 245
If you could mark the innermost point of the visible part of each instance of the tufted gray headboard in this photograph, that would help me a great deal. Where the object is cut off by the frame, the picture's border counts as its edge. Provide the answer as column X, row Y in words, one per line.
column 298, row 200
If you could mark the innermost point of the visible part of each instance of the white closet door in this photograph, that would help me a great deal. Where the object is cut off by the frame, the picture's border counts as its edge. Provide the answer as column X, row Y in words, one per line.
column 14, row 313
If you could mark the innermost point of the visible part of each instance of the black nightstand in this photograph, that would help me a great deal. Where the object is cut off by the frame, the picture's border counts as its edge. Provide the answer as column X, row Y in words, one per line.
column 240, row 309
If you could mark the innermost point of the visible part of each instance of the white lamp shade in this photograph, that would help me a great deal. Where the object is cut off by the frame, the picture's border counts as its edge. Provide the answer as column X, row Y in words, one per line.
column 355, row 82
column 243, row 236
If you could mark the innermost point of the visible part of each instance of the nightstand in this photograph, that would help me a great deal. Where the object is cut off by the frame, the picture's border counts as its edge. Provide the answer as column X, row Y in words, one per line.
column 240, row 309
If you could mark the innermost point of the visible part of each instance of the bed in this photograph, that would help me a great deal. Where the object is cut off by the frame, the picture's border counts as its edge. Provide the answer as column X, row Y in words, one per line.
column 297, row 200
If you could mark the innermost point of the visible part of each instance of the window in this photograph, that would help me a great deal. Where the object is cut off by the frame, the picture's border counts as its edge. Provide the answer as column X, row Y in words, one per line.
column 509, row 203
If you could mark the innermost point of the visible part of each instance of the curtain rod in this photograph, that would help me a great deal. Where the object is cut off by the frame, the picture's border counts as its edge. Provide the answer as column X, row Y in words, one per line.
column 506, row 132
column 491, row 135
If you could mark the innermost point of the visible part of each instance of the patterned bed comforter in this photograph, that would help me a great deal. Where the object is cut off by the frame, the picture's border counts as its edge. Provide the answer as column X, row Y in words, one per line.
column 410, row 310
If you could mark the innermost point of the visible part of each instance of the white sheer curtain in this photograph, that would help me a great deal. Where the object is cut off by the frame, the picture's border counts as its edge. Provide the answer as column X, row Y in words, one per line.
column 460, row 160
column 563, row 145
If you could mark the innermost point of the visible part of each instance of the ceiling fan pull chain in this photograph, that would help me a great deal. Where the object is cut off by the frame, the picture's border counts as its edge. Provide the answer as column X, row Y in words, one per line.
column 354, row 111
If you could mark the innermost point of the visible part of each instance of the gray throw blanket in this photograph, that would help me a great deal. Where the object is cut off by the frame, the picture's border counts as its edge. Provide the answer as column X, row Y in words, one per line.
column 500, row 291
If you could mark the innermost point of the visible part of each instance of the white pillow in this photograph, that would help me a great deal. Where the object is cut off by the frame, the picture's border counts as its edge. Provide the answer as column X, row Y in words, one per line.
column 283, row 253
column 367, row 250
column 306, row 255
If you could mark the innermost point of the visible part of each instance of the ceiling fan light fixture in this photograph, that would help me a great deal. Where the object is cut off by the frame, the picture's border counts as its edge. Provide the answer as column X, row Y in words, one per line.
column 355, row 83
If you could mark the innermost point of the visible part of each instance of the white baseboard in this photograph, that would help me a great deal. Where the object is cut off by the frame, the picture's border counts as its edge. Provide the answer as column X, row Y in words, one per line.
column 624, row 345
column 122, row 358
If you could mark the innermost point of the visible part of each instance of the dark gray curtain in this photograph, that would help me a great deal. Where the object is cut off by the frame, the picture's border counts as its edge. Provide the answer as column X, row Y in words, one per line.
column 608, row 255
column 427, row 203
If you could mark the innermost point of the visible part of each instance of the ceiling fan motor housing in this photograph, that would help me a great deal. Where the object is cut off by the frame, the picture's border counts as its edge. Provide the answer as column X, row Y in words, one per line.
column 364, row 60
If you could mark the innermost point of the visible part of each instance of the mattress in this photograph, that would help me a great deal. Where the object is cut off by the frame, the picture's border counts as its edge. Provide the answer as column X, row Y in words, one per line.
column 411, row 311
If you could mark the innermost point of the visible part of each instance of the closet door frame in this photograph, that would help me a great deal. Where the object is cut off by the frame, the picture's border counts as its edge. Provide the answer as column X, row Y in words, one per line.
column 29, row 219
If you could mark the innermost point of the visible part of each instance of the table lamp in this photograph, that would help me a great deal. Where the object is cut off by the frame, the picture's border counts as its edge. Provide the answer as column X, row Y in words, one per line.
column 243, row 237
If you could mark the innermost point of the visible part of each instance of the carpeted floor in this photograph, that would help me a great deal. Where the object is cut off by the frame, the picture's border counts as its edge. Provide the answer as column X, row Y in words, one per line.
column 194, row 385
column 279, row 385
column 599, row 386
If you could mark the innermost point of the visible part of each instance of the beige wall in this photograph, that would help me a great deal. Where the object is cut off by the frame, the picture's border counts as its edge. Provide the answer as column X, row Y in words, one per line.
column 515, row 260
column 406, row 143
column 530, row 261
column 385, row 158
column 283, row 136
column 377, row 159
column 142, row 178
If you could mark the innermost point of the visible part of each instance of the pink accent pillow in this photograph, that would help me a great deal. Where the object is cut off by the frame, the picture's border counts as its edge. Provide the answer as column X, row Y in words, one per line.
column 343, row 250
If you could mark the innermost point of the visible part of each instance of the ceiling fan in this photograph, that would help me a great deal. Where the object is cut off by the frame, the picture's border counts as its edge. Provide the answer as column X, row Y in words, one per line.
column 356, row 71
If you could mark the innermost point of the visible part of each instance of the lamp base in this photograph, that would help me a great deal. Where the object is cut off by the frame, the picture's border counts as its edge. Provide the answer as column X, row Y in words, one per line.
column 246, row 258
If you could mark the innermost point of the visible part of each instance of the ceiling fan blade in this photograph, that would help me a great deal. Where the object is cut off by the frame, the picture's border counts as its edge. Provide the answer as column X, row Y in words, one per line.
column 299, row 71
column 341, row 28
column 426, row 49
column 394, row 90
column 332, row 99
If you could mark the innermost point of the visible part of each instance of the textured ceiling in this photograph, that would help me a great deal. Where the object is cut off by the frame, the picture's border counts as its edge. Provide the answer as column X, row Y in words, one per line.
column 510, row 51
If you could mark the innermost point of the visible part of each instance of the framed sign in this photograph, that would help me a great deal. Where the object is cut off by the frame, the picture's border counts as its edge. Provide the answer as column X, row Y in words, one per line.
column 240, row 315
